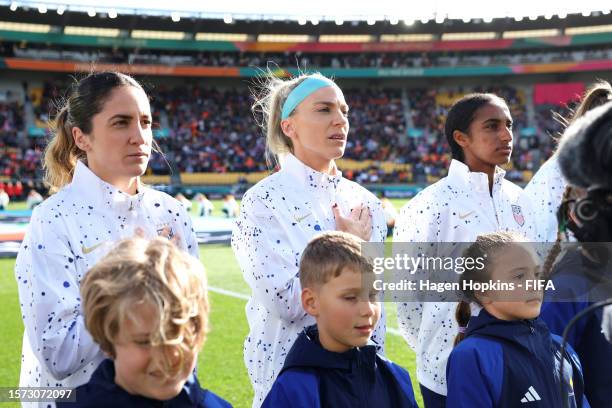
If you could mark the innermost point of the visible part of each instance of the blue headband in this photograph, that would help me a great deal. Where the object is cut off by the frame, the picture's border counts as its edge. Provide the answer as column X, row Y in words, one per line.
column 301, row 92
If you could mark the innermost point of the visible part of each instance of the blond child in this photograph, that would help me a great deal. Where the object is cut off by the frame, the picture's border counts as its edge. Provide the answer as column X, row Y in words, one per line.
column 146, row 305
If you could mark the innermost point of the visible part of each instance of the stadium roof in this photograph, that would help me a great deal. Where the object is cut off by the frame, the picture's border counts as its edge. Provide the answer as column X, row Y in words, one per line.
column 311, row 16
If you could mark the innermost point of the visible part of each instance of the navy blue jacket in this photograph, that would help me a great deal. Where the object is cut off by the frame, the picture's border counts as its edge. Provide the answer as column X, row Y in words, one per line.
column 314, row 377
column 574, row 276
column 505, row 364
column 102, row 392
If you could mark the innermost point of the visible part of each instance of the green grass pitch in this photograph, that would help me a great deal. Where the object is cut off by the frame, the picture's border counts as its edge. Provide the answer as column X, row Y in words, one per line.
column 220, row 367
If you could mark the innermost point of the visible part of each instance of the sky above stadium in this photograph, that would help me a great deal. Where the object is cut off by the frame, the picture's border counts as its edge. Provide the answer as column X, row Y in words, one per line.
column 320, row 10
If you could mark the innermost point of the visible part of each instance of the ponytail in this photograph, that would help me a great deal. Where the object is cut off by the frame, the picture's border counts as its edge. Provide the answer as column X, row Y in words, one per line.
column 61, row 154
column 462, row 315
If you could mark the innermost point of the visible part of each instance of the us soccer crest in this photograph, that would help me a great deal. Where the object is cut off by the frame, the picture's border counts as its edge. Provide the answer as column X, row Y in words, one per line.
column 518, row 215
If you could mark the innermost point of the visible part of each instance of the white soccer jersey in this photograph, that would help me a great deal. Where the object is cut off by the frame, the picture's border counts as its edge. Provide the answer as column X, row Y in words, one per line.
column 279, row 215
column 457, row 208
column 545, row 190
column 68, row 233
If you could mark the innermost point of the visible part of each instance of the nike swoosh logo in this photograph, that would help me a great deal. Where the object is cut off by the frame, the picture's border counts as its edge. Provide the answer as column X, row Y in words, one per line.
column 92, row 248
column 462, row 216
column 300, row 219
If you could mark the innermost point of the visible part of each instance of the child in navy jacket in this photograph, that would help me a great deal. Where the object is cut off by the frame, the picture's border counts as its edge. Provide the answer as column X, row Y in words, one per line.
column 506, row 356
column 334, row 363
column 146, row 305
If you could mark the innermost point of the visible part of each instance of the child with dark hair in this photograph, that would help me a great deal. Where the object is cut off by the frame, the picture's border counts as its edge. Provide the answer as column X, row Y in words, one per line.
column 504, row 355
column 473, row 199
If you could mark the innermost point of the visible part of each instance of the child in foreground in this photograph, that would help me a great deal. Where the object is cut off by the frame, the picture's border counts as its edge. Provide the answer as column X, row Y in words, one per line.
column 334, row 363
column 505, row 356
column 146, row 305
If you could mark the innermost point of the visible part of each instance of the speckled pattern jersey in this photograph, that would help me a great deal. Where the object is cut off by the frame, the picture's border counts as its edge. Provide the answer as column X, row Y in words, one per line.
column 457, row 208
column 279, row 215
column 546, row 190
column 68, row 233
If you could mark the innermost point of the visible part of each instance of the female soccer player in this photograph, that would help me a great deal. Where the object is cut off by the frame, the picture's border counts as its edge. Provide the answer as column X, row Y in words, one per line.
column 100, row 148
column 547, row 186
column 474, row 198
column 306, row 123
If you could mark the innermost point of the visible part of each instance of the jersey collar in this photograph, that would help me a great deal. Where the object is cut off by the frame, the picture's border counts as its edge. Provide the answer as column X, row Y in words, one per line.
column 460, row 174
column 309, row 178
column 86, row 183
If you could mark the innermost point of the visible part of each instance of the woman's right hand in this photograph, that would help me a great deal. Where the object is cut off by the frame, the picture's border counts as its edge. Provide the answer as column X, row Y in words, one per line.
column 358, row 222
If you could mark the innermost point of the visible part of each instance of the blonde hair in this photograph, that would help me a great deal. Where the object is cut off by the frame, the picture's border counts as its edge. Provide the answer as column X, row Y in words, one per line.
column 595, row 95
column 87, row 98
column 329, row 254
column 154, row 273
column 270, row 95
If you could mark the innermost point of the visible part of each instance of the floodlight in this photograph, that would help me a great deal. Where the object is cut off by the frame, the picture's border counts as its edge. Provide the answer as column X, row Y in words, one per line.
column 112, row 13
column 371, row 21
column 227, row 19
column 339, row 21
column 13, row 6
column 409, row 22
column 393, row 20
column 60, row 10
column 42, row 9
column 91, row 12
column 302, row 21
column 175, row 16
column 315, row 21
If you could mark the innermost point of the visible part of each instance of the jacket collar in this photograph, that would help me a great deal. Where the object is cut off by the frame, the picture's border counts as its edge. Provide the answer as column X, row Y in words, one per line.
column 103, row 379
column 308, row 352
column 100, row 193
column 532, row 335
column 308, row 178
column 459, row 173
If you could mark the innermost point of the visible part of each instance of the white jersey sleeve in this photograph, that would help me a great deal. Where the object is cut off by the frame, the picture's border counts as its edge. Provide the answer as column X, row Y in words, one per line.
column 270, row 266
column 48, row 283
column 416, row 223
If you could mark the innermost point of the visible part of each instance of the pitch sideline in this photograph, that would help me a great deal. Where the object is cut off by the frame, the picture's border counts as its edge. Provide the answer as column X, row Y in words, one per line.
column 242, row 296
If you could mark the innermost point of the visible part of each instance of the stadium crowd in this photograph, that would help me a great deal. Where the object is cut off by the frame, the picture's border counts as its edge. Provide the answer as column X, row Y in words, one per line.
column 307, row 60
column 212, row 129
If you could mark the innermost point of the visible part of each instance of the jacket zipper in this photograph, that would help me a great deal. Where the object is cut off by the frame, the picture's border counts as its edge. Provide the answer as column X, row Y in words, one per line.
column 493, row 202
